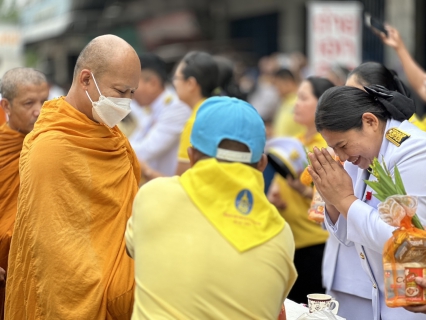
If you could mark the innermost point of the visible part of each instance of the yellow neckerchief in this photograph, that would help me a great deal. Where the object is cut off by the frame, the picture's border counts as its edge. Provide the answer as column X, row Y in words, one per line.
column 231, row 197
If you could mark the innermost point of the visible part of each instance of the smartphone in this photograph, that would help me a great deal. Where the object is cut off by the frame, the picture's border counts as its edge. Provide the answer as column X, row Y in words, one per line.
column 374, row 24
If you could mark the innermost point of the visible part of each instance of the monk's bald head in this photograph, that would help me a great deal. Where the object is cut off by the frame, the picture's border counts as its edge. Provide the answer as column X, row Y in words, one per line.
column 19, row 77
column 107, row 66
column 102, row 53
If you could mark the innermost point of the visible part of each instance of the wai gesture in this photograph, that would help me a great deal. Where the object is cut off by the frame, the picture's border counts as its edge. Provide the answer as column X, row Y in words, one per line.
column 331, row 180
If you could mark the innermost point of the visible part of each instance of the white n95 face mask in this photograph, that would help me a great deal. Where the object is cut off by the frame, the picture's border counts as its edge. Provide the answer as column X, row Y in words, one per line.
column 109, row 110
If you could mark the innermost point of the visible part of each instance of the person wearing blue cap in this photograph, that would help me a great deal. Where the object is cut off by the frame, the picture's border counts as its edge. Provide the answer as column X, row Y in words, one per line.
column 209, row 244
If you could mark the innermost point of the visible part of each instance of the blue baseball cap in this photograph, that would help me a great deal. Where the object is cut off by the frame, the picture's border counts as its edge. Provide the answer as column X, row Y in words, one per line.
column 222, row 118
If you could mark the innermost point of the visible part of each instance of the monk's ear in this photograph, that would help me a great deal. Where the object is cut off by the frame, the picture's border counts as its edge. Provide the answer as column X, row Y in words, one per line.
column 5, row 104
column 84, row 79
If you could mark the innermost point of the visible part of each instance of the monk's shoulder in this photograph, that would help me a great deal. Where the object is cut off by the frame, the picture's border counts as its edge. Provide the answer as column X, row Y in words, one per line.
column 48, row 141
column 46, row 150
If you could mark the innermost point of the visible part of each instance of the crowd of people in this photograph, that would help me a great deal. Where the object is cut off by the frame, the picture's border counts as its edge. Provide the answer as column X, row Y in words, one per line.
column 148, row 196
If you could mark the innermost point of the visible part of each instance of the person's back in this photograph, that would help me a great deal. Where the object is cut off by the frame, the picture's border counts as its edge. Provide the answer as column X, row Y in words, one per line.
column 186, row 269
column 208, row 244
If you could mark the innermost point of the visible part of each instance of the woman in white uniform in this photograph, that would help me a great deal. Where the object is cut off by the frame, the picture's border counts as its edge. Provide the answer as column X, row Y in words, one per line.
column 356, row 125
column 341, row 265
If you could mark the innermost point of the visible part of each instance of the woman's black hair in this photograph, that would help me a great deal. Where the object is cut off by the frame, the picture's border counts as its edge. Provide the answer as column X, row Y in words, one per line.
column 341, row 109
column 201, row 66
column 319, row 85
column 370, row 73
column 226, row 83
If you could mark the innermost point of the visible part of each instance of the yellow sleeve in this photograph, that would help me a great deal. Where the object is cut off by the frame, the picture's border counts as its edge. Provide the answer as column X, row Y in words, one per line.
column 129, row 237
column 421, row 124
column 185, row 143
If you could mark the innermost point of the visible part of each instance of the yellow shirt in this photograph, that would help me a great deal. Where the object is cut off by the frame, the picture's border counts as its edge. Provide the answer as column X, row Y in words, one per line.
column 316, row 141
column 185, row 136
column 186, row 269
column 284, row 124
column 421, row 124
column 306, row 232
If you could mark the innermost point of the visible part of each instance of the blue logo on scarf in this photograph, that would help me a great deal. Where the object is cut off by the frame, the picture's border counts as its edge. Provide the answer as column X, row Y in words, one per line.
column 244, row 201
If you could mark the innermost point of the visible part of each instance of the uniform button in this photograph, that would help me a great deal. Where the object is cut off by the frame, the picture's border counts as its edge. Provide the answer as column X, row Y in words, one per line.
column 362, row 256
column 374, row 286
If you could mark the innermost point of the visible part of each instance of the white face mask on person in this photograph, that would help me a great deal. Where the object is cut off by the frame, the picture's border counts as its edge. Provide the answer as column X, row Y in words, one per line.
column 109, row 110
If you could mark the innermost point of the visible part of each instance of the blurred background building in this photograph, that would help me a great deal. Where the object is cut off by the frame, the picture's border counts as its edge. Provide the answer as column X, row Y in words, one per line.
column 49, row 34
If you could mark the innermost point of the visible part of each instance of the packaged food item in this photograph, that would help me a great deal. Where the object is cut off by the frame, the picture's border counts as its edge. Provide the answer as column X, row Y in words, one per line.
column 317, row 208
column 411, row 249
column 394, row 283
column 404, row 254
column 414, row 294
column 404, row 259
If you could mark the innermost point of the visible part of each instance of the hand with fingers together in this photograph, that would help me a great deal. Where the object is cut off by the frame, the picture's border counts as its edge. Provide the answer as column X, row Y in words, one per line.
column 331, row 180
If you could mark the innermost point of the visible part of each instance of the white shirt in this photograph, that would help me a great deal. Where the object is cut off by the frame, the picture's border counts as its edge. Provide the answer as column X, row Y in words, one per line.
column 156, row 137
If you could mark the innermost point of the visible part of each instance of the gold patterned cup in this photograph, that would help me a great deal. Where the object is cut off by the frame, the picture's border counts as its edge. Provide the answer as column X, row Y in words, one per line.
column 319, row 301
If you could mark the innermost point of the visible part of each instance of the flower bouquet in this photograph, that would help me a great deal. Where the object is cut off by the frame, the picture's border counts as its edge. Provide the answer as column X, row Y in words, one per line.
column 404, row 254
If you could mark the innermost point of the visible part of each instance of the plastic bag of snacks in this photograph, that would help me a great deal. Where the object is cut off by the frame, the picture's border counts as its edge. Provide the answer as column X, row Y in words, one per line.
column 317, row 208
column 404, row 254
column 404, row 259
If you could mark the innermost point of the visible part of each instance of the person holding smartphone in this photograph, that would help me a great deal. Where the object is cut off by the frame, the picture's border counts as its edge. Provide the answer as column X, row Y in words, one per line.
column 415, row 74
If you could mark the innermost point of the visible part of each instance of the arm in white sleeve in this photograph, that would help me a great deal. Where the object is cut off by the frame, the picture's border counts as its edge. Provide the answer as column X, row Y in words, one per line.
column 163, row 134
column 366, row 228
column 338, row 230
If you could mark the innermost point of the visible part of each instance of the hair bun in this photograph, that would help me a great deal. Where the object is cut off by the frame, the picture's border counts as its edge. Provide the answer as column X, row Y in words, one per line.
column 399, row 106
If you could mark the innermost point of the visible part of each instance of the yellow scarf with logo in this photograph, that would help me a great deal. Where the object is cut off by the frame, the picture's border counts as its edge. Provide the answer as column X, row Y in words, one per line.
column 231, row 197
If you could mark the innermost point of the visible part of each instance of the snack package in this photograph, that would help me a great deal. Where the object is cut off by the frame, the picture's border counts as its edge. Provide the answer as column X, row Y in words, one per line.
column 404, row 259
column 316, row 211
column 404, row 254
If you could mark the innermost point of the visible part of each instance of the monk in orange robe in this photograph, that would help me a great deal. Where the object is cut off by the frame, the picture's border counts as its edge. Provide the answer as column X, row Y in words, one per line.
column 23, row 92
column 79, row 176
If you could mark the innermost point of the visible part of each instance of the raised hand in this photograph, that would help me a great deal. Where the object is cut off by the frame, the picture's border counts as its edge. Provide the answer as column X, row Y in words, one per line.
column 332, row 181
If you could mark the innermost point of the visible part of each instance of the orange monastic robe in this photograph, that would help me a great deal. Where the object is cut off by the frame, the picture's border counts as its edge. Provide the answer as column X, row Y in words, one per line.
column 2, row 116
column 68, row 258
column 10, row 149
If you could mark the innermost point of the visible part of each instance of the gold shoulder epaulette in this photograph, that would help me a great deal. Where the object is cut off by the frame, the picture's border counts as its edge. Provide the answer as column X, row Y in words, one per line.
column 396, row 136
column 168, row 100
